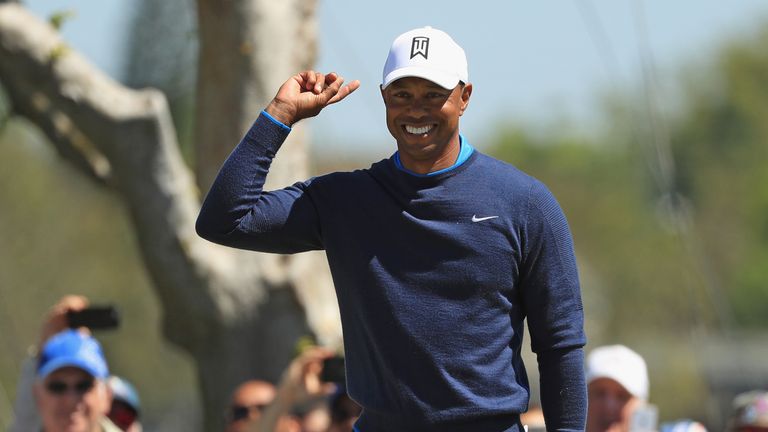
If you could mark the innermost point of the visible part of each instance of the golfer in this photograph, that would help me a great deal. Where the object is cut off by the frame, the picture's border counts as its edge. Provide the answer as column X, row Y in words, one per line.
column 438, row 253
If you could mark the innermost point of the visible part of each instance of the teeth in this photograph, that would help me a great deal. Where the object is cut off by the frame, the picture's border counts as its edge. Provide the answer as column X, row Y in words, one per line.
column 418, row 130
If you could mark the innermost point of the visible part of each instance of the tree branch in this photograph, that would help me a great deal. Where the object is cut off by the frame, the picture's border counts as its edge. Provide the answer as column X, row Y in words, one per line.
column 127, row 135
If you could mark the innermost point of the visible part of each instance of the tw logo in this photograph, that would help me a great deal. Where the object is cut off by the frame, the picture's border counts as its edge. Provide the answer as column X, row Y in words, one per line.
column 420, row 46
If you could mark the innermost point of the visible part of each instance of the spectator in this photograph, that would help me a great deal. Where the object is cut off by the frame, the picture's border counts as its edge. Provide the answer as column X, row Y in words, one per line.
column 617, row 384
column 750, row 412
column 64, row 386
column 275, row 410
column 126, row 406
column 70, row 389
column 248, row 403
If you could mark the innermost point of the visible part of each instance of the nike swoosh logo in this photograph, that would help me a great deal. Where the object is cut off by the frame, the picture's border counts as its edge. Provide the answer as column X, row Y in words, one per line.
column 480, row 219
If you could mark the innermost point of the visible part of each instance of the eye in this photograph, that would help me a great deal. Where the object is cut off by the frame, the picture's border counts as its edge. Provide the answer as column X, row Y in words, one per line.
column 84, row 386
column 437, row 95
column 401, row 94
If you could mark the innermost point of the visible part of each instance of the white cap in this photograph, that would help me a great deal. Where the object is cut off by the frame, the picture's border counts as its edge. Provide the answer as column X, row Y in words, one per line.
column 620, row 364
column 426, row 53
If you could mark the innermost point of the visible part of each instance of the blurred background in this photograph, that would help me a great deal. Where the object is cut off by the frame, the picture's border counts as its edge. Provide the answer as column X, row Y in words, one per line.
column 647, row 119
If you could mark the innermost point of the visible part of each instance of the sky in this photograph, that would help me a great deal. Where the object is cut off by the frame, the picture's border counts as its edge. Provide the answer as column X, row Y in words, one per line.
column 529, row 62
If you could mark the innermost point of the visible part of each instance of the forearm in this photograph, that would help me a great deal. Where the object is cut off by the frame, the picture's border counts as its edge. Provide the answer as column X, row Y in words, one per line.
column 240, row 181
column 25, row 416
column 281, row 406
column 563, row 389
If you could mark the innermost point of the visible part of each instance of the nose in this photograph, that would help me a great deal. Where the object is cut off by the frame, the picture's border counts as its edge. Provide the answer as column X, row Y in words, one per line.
column 417, row 105
column 70, row 402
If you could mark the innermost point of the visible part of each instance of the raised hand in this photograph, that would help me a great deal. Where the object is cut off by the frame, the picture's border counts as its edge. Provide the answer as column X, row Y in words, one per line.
column 56, row 318
column 306, row 94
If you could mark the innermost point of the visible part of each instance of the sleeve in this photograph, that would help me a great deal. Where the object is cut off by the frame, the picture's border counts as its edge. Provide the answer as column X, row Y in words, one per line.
column 563, row 389
column 25, row 416
column 238, row 213
column 552, row 301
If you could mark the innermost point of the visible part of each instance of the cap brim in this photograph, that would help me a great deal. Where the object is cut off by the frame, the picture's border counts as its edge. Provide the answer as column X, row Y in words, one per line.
column 63, row 362
column 620, row 379
column 444, row 80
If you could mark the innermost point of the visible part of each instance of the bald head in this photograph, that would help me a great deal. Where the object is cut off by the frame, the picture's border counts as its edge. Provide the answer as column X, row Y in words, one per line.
column 248, row 402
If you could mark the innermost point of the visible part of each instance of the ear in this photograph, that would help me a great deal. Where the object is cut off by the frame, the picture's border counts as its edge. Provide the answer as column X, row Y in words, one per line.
column 466, row 92
column 381, row 88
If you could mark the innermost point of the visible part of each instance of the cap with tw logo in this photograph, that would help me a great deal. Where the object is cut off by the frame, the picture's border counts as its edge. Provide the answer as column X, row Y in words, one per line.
column 426, row 53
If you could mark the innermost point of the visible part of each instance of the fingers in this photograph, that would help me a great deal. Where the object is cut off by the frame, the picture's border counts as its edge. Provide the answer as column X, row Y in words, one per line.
column 313, row 81
column 56, row 319
column 311, row 368
column 331, row 83
column 344, row 91
column 306, row 94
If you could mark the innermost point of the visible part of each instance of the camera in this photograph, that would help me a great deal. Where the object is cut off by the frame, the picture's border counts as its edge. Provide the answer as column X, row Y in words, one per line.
column 95, row 318
column 333, row 370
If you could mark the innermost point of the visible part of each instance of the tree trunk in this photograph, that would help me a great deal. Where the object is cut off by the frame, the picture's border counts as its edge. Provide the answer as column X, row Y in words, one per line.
column 237, row 313
column 247, row 50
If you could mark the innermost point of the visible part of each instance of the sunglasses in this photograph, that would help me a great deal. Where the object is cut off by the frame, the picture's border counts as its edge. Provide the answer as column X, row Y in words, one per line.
column 240, row 412
column 59, row 388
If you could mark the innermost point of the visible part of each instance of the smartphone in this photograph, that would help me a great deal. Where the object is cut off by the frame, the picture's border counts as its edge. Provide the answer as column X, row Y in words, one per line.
column 333, row 370
column 94, row 317
column 644, row 419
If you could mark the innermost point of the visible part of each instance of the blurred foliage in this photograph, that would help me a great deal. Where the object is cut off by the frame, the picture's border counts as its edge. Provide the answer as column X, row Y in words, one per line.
column 615, row 203
column 58, row 19
column 721, row 143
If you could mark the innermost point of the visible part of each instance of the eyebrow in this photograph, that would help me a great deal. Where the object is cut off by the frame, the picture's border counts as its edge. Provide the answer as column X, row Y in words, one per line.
column 430, row 84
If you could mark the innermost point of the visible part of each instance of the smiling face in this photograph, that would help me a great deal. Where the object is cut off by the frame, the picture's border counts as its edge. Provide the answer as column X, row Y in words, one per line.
column 71, row 400
column 424, row 119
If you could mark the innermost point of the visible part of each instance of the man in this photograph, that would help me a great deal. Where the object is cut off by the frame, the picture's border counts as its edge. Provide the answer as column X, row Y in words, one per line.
column 70, row 389
column 617, row 382
column 437, row 254
column 248, row 402
column 39, row 405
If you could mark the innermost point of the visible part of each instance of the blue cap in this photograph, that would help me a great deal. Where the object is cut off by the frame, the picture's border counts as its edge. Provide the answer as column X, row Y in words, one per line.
column 123, row 391
column 72, row 348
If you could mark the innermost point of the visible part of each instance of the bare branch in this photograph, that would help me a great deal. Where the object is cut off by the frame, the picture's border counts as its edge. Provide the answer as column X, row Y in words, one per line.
column 128, row 135
column 238, row 313
column 30, row 101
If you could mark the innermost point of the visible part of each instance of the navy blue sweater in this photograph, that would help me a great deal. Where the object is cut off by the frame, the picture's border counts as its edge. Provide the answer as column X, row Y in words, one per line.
column 434, row 278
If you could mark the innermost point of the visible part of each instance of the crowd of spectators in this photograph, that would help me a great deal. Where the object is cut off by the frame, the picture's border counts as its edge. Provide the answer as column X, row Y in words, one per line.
column 66, row 386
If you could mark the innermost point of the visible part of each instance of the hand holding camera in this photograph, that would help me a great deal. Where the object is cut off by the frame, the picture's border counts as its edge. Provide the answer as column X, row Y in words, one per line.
column 73, row 311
